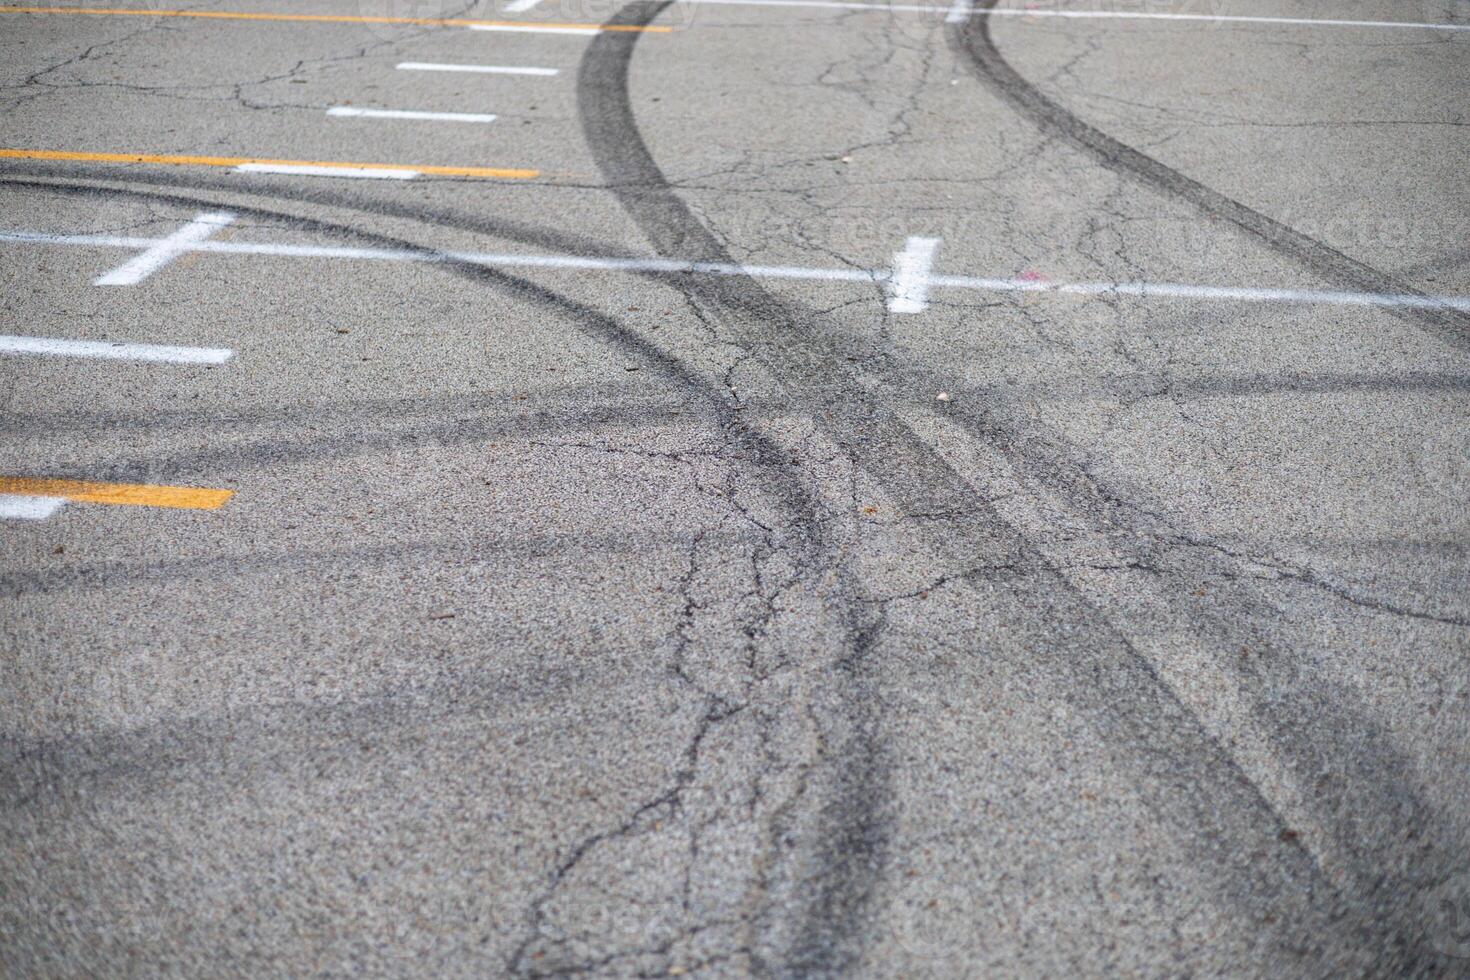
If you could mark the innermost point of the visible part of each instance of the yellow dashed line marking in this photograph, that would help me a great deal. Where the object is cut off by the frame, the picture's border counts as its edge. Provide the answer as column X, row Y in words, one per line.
column 511, row 173
column 136, row 494
column 331, row 19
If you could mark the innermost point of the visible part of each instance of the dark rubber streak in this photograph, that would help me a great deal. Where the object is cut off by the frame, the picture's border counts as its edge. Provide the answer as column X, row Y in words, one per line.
column 861, row 787
column 972, row 41
column 1368, row 802
column 1108, row 679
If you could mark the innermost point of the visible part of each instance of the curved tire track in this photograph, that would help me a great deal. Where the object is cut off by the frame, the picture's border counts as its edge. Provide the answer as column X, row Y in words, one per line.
column 976, row 49
column 804, row 534
column 1191, row 780
column 1366, row 789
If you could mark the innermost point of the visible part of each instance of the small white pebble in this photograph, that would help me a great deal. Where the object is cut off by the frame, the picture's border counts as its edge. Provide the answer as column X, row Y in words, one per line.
column 943, row 396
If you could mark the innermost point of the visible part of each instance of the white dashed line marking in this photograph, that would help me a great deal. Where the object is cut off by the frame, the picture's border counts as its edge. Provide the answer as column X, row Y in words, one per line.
column 475, row 69
column 109, row 351
column 140, row 267
column 516, row 28
column 305, row 170
column 17, row 507
column 520, row 6
column 349, row 110
column 908, row 289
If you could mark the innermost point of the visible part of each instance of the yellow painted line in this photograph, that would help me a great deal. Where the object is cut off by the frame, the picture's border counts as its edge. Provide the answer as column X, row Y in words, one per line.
column 138, row 494
column 332, row 18
column 238, row 161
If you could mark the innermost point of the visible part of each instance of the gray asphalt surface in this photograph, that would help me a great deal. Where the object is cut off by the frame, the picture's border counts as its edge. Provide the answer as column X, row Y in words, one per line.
column 731, row 620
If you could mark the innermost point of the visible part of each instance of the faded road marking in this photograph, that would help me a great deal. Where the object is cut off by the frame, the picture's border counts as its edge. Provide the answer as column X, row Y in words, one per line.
column 1038, row 14
column 257, row 165
column 17, row 507
column 476, row 69
column 908, row 289
column 535, row 28
column 144, row 264
column 334, row 19
column 358, row 111
column 509, row 260
column 108, row 350
column 132, row 494
column 309, row 170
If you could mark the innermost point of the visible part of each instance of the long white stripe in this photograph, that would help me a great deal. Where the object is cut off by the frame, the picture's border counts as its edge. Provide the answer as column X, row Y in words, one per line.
column 107, row 350
column 909, row 288
column 520, row 6
column 517, row 28
column 1088, row 14
column 1249, row 294
column 28, row 508
column 475, row 258
column 366, row 173
column 352, row 110
column 141, row 266
column 476, row 69
column 511, row 260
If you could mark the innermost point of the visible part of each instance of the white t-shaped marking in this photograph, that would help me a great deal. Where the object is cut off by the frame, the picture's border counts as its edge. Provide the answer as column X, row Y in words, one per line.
column 144, row 264
column 908, row 290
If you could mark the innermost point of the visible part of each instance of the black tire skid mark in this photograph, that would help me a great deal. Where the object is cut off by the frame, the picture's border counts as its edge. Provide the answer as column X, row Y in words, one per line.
column 1356, row 781
column 338, row 200
column 329, row 199
column 760, row 454
column 757, row 451
column 49, row 776
column 975, row 48
column 533, row 420
column 434, row 217
column 158, row 753
column 1374, row 814
column 104, row 180
column 1118, row 688
column 98, row 576
column 605, row 329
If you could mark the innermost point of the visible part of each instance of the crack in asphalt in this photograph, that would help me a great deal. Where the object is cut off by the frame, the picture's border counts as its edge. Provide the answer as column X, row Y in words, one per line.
column 846, row 846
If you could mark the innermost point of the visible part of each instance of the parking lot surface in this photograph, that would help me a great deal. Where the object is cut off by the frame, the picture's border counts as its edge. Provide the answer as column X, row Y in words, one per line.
column 735, row 488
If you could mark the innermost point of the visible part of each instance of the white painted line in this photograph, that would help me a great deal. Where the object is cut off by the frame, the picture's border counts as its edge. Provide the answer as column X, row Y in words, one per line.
column 140, row 267
column 960, row 12
column 107, row 350
column 908, row 289
column 517, row 28
column 1179, row 290
column 25, row 508
column 476, row 69
column 1088, row 14
column 520, row 6
column 508, row 260
column 350, row 110
column 365, row 173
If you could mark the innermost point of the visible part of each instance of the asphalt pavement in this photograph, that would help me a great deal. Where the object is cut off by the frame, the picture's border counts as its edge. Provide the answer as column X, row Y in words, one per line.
column 784, row 488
